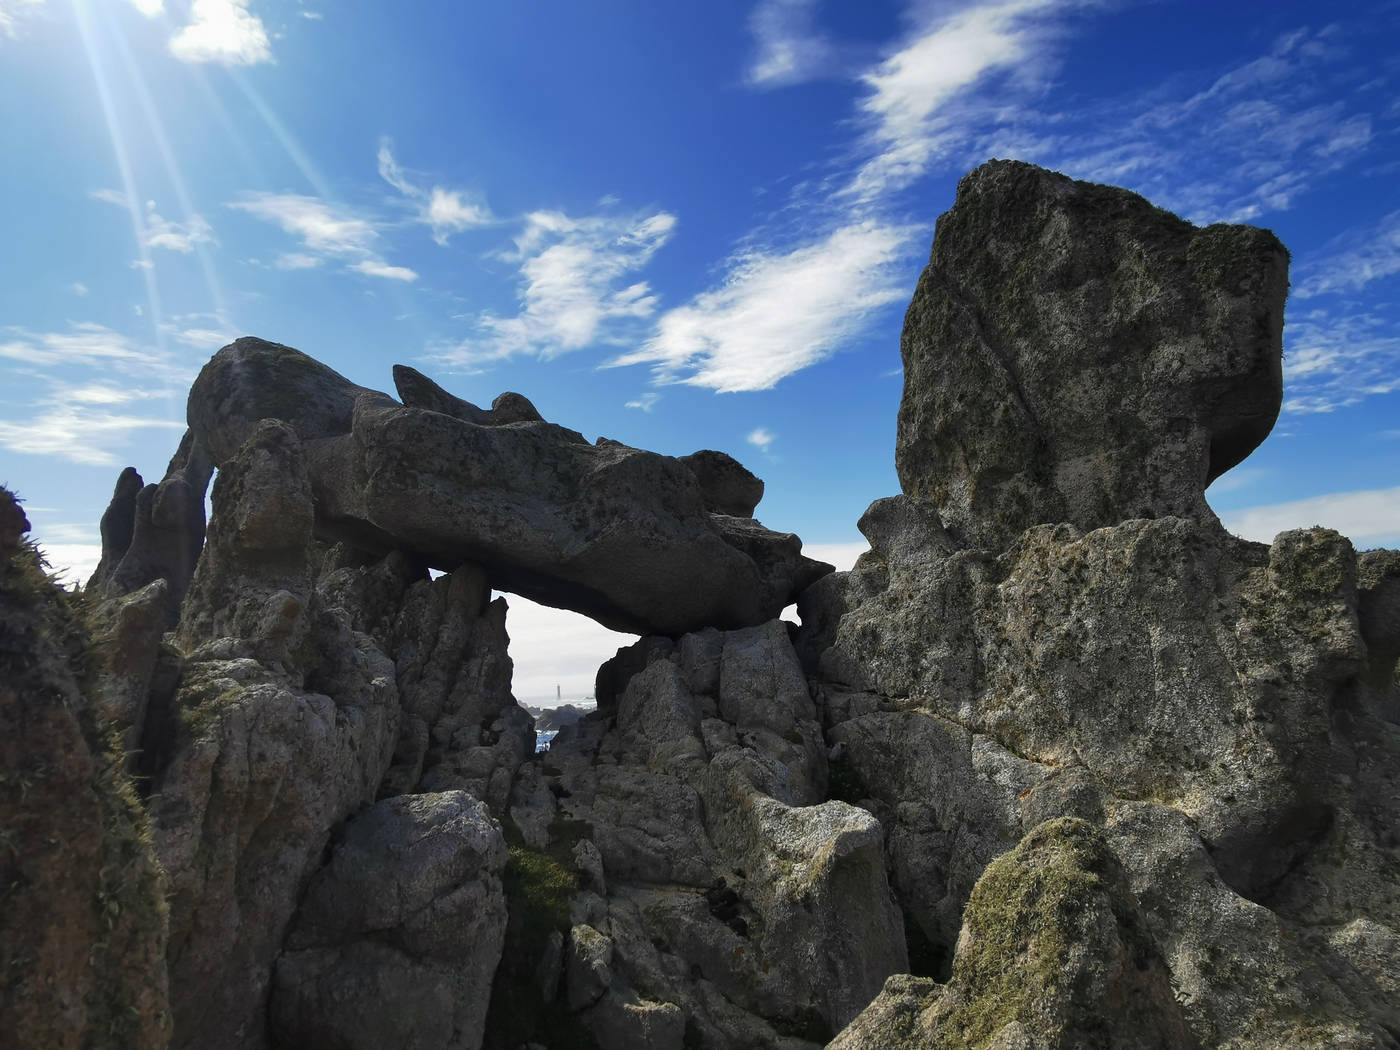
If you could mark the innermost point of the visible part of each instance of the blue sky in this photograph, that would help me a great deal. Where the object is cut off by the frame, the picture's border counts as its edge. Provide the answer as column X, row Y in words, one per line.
column 681, row 226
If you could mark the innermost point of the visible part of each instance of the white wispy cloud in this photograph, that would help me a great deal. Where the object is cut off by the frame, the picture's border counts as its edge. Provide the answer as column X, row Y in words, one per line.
column 322, row 227
column 194, row 330
column 149, row 8
column 156, row 231
column 445, row 211
column 325, row 230
column 907, row 108
column 1354, row 261
column 77, row 434
column 777, row 312
column 222, row 31
column 1249, row 143
column 297, row 261
column 1369, row 517
column 87, row 344
column 84, row 391
column 760, row 438
column 571, row 289
column 79, row 288
column 1333, row 359
column 789, row 48
column 176, row 236
column 13, row 12
column 392, row 173
column 646, row 402
column 379, row 268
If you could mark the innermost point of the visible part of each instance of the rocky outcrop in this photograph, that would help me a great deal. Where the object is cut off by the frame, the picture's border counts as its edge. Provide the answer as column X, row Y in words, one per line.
column 282, row 726
column 83, row 922
column 1054, row 953
column 725, row 485
column 1051, row 625
column 1060, row 763
column 398, row 937
column 721, row 898
column 1073, row 354
column 155, row 532
column 613, row 532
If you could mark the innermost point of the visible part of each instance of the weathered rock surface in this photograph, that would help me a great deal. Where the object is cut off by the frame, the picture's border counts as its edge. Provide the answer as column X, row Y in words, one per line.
column 1060, row 763
column 726, row 486
column 1054, row 954
column 155, row 532
column 618, row 534
column 418, row 391
column 83, row 921
column 1052, row 626
column 720, row 897
column 1073, row 354
column 283, row 725
column 398, row 937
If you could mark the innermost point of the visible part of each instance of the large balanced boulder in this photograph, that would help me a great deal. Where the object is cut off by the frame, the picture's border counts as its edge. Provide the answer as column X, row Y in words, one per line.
column 1051, row 627
column 1074, row 354
column 616, row 533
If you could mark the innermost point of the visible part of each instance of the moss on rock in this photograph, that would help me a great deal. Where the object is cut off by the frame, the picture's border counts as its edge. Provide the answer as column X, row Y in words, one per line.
column 83, row 919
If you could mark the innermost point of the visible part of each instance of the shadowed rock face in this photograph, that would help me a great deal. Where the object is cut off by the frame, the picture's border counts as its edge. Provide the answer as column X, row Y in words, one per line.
column 1074, row 354
column 624, row 536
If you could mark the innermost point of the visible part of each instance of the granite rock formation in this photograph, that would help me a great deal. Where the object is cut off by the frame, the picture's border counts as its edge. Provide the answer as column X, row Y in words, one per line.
column 1079, row 638
column 1073, row 354
column 1060, row 763
column 619, row 534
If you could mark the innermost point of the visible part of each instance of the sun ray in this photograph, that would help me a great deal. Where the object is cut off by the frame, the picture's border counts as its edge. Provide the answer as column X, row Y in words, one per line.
column 123, row 156
column 173, row 171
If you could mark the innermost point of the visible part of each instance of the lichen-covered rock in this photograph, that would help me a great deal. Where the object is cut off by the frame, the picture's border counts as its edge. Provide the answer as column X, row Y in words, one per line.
column 461, row 728
column 613, row 532
column 1245, row 976
column 733, row 890
column 1073, row 354
column 83, row 925
column 1054, row 954
column 398, row 937
column 283, row 724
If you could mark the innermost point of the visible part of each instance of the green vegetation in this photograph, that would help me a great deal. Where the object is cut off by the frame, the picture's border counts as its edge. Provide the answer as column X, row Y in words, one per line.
column 1030, row 912
column 538, row 888
column 70, row 821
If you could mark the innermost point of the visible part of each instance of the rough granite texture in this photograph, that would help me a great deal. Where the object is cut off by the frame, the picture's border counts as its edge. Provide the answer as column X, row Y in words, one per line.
column 1074, row 354
column 619, row 534
column 397, row 938
column 1060, row 763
